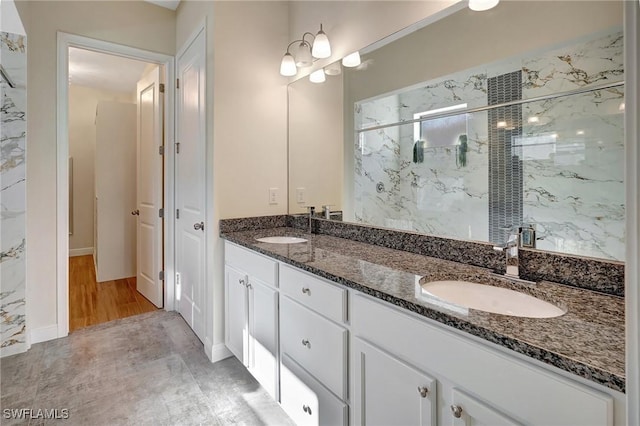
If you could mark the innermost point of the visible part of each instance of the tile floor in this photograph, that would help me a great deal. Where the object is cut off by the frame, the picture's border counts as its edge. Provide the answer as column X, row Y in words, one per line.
column 146, row 369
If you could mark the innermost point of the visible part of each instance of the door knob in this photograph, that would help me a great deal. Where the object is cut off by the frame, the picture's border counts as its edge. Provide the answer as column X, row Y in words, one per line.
column 135, row 212
column 456, row 410
column 198, row 226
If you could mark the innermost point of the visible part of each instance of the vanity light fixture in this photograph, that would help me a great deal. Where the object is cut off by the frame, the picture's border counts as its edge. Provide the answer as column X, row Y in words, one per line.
column 317, row 76
column 318, row 48
column 351, row 60
column 482, row 5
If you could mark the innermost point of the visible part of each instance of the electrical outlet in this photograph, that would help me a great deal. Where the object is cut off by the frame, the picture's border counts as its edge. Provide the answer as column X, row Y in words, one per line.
column 300, row 195
column 273, row 195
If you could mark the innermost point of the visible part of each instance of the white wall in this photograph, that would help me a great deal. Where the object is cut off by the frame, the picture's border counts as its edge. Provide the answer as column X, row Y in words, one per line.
column 82, row 142
column 352, row 25
column 132, row 23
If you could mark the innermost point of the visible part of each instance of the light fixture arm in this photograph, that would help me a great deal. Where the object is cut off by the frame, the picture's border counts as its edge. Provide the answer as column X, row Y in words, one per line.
column 302, row 40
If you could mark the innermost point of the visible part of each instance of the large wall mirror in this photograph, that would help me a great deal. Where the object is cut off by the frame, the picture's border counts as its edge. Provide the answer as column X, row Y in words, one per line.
column 474, row 124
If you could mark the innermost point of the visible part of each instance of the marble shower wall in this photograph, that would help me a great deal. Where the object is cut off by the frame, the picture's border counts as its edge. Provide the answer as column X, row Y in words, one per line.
column 13, row 195
column 571, row 190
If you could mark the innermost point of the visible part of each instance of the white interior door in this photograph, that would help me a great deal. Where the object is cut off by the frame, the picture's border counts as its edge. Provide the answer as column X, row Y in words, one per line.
column 190, row 185
column 149, row 178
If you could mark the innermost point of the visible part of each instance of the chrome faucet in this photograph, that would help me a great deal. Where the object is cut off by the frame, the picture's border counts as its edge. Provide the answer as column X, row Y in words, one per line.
column 312, row 212
column 326, row 211
column 511, row 253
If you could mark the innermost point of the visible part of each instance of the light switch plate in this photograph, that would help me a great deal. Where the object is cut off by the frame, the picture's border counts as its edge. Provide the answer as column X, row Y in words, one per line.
column 273, row 195
column 300, row 199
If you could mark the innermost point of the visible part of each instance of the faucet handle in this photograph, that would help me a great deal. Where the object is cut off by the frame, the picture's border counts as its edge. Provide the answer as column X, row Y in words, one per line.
column 311, row 209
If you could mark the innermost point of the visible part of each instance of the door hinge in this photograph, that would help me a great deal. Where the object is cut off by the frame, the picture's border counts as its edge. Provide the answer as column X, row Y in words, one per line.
column 177, row 147
column 177, row 213
column 161, row 150
column 161, row 87
column 161, row 213
column 177, row 83
column 161, row 275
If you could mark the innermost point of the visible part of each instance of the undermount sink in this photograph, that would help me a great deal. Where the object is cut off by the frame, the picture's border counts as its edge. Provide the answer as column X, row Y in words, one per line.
column 281, row 240
column 492, row 299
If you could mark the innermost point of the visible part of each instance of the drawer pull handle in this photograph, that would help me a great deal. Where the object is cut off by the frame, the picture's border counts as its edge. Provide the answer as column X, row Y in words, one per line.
column 306, row 290
column 423, row 391
column 457, row 411
column 307, row 343
column 306, row 409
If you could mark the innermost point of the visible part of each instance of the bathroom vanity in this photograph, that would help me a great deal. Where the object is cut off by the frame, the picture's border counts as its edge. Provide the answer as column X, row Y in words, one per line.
column 342, row 332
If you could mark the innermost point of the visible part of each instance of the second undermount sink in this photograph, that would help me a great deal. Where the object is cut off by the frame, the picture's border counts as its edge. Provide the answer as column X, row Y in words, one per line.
column 492, row 299
column 282, row 240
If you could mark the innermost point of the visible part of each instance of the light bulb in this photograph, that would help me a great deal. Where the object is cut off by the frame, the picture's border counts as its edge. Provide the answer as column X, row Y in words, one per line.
column 317, row 76
column 303, row 56
column 321, row 47
column 288, row 65
column 352, row 60
column 482, row 5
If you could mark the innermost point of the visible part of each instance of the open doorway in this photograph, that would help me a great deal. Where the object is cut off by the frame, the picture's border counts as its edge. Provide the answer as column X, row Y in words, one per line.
column 115, row 111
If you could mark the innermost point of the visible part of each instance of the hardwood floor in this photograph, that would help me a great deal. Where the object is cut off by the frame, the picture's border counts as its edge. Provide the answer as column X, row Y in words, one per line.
column 94, row 303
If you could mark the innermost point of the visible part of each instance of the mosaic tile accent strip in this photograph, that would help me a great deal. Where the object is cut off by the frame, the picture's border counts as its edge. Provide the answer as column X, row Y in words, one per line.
column 505, row 166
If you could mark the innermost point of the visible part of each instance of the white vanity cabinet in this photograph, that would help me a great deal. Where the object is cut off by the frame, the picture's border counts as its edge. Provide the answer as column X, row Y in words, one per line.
column 389, row 391
column 314, row 347
column 251, row 304
column 477, row 384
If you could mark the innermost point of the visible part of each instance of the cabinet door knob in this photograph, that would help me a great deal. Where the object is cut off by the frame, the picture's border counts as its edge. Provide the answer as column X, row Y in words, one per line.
column 198, row 226
column 136, row 212
column 456, row 410
column 306, row 290
column 307, row 343
column 306, row 409
column 423, row 391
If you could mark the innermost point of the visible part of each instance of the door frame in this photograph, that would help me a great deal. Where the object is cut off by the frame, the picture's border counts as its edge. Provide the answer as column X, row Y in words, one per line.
column 64, row 42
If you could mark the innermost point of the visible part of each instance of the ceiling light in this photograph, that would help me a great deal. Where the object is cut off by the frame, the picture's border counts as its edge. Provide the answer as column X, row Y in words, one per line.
column 288, row 65
column 580, row 132
column 351, row 60
column 533, row 119
column 482, row 5
column 317, row 76
column 321, row 47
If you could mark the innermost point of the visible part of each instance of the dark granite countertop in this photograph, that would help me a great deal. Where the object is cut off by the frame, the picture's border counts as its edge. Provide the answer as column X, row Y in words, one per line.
column 588, row 341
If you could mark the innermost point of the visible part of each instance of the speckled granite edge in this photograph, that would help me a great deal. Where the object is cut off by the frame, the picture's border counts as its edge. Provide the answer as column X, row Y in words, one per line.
column 592, row 274
column 253, row 223
column 591, row 373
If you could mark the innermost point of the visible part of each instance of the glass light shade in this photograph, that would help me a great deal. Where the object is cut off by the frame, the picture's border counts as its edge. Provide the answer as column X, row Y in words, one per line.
column 317, row 76
column 303, row 56
column 288, row 65
column 321, row 47
column 482, row 5
column 352, row 60
column 333, row 69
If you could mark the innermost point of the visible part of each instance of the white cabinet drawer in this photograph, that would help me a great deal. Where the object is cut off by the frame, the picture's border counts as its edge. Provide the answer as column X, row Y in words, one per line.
column 321, row 296
column 253, row 264
column 306, row 401
column 317, row 344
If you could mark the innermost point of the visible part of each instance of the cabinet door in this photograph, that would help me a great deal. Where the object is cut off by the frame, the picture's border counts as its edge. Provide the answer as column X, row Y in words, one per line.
column 263, row 334
column 236, row 328
column 468, row 411
column 388, row 391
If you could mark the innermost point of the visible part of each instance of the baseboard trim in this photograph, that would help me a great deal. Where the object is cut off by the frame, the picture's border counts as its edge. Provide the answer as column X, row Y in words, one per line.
column 80, row 251
column 43, row 334
column 217, row 352
column 18, row 348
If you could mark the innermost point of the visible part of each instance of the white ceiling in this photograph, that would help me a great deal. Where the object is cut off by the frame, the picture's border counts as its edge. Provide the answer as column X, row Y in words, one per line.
column 104, row 71
column 169, row 4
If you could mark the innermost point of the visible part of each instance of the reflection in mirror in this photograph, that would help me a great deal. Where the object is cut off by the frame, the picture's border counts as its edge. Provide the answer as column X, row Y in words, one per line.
column 517, row 129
